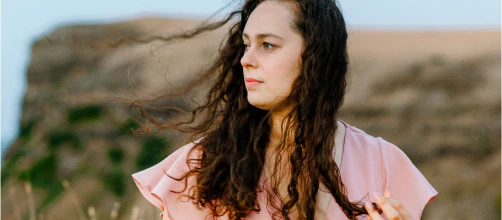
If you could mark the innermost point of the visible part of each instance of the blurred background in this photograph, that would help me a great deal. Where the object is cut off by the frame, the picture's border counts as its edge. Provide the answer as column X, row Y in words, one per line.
column 424, row 75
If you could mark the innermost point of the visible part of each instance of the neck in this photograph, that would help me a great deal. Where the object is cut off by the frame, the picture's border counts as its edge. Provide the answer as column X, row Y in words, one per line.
column 278, row 127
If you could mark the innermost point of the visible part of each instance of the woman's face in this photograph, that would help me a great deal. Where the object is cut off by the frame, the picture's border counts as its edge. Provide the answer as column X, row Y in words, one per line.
column 272, row 54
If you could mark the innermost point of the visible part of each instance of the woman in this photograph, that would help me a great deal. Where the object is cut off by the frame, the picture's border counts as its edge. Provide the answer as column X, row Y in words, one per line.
column 272, row 145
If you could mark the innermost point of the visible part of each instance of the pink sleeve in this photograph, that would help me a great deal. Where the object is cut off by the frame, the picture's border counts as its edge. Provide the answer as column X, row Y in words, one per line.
column 152, row 182
column 404, row 181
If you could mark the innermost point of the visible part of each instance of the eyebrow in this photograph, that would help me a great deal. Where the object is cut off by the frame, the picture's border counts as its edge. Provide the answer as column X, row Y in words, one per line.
column 264, row 35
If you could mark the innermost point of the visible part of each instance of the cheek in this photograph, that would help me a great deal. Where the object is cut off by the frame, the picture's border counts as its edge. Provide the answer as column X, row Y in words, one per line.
column 280, row 75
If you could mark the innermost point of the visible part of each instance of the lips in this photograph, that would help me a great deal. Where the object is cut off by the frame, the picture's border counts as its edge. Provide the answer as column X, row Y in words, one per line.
column 250, row 81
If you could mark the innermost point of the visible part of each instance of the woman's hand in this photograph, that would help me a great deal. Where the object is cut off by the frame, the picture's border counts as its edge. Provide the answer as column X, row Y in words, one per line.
column 393, row 209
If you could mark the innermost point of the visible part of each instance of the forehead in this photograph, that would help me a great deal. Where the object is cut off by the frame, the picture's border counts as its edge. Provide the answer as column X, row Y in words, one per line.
column 270, row 17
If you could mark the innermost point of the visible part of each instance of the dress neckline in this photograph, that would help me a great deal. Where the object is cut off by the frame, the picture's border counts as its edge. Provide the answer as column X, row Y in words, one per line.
column 324, row 197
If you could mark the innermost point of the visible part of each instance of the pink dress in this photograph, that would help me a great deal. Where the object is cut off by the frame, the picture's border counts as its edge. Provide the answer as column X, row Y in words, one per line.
column 368, row 165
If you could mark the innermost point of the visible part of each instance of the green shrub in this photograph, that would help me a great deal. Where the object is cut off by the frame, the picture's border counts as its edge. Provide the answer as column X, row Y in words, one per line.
column 86, row 113
column 116, row 155
column 498, row 204
column 154, row 149
column 57, row 138
column 115, row 181
column 129, row 124
column 42, row 174
column 25, row 130
column 9, row 166
column 51, row 193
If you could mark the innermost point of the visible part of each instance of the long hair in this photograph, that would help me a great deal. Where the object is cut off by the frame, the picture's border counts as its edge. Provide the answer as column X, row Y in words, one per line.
column 236, row 134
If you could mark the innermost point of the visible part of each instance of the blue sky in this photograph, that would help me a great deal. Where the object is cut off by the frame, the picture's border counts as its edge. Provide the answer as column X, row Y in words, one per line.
column 22, row 21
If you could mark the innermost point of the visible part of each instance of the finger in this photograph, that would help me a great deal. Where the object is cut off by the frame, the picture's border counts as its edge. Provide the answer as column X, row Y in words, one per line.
column 405, row 214
column 387, row 194
column 387, row 208
column 374, row 215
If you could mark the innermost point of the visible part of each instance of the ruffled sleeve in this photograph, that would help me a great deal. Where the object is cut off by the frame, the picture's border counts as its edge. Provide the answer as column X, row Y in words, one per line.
column 153, row 182
column 404, row 181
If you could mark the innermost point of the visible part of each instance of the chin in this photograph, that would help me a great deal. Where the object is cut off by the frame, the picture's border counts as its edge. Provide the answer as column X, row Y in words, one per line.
column 258, row 103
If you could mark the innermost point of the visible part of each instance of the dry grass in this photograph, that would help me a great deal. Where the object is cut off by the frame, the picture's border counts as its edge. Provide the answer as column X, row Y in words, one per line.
column 93, row 213
column 15, row 206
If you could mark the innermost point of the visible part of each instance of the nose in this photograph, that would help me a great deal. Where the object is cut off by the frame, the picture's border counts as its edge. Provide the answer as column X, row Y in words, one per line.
column 248, row 60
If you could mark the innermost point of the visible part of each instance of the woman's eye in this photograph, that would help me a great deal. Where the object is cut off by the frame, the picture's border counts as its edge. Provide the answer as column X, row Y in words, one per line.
column 268, row 46
column 246, row 47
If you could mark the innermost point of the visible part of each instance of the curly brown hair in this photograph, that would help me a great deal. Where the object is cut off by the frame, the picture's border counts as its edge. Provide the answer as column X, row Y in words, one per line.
column 236, row 133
